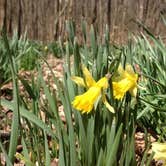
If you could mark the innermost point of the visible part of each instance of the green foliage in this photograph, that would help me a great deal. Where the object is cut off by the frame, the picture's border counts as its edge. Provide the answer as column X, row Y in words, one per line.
column 16, row 116
column 152, row 64
column 98, row 138
column 28, row 60
column 25, row 53
column 4, row 63
column 55, row 49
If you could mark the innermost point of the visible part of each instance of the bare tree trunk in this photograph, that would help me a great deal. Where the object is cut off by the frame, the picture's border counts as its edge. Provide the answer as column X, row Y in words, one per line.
column 109, row 13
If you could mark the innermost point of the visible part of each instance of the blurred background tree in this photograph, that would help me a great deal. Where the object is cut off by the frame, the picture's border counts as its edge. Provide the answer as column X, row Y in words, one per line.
column 44, row 20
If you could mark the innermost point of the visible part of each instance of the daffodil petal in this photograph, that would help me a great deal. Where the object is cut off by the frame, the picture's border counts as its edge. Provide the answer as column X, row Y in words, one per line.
column 140, row 87
column 129, row 69
column 108, row 106
column 160, row 156
column 133, row 91
column 160, row 151
column 88, row 77
column 121, row 72
column 120, row 69
column 78, row 80
column 102, row 83
column 156, row 146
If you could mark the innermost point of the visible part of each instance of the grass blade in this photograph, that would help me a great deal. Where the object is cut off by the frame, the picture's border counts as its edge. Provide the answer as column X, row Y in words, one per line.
column 47, row 153
column 8, row 162
column 113, row 150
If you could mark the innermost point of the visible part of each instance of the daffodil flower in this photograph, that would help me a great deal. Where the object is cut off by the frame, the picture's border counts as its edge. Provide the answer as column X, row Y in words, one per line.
column 86, row 101
column 126, row 81
column 160, row 151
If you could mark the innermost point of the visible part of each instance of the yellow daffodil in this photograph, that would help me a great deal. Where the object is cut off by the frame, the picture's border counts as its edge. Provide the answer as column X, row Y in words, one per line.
column 126, row 81
column 160, row 151
column 86, row 101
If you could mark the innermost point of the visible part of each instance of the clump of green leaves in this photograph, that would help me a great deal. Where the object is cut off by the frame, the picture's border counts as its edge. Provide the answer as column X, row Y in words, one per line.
column 55, row 49
column 101, row 137
column 28, row 60
column 25, row 52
